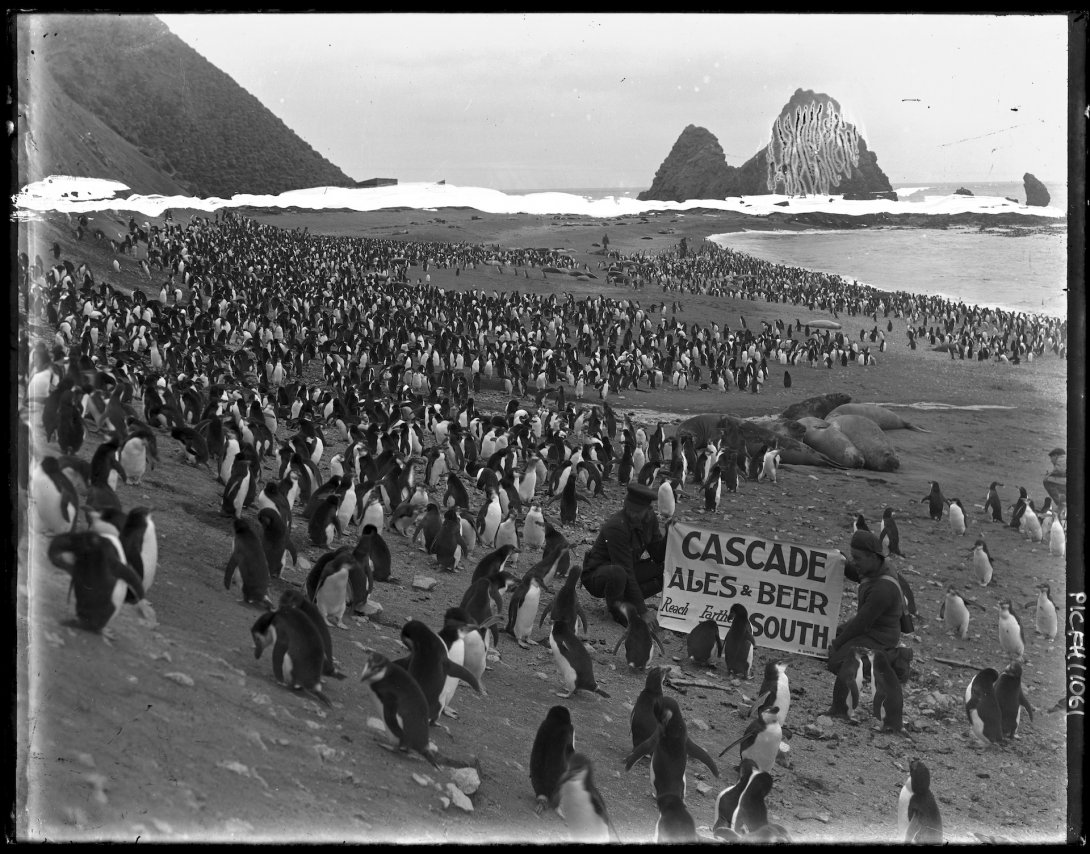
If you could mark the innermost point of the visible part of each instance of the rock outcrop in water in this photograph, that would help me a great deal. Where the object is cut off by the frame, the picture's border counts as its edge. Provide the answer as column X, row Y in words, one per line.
column 961, row 191
column 812, row 149
column 1036, row 194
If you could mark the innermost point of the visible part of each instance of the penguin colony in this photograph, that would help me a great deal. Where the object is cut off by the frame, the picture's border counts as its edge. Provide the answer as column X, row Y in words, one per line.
column 217, row 364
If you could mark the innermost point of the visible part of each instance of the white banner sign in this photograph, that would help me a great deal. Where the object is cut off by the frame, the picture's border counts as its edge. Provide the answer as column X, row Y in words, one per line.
column 791, row 592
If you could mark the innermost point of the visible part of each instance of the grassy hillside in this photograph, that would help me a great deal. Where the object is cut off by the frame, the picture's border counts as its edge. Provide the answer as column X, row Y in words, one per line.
column 123, row 97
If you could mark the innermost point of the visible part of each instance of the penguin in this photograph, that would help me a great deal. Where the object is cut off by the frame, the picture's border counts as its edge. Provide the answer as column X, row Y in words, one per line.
column 569, row 502
column 934, row 501
column 1054, row 532
column 55, row 500
column 429, row 525
column 100, row 581
column 237, row 488
column 666, row 502
column 639, row 639
column 713, row 490
column 956, row 516
column 775, row 691
column 456, row 492
column 402, row 702
column 954, row 613
column 553, row 747
column 674, row 824
column 565, row 605
column 372, row 548
column 374, row 514
column 402, row 518
column 507, row 534
column 533, row 527
column 572, row 660
column 739, row 643
column 275, row 541
column 482, row 601
column 292, row 598
column 751, row 813
column 982, row 564
column 992, row 504
column 728, row 816
column 448, row 545
column 889, row 701
column 324, row 525
column 769, row 466
column 847, row 687
column 248, row 559
column 702, row 640
column 761, row 740
column 580, row 804
column 457, row 625
column 141, row 545
column 643, row 720
column 298, row 655
column 669, row 747
column 327, row 585
column 490, row 517
column 981, row 707
column 1011, row 699
column 860, row 524
column 429, row 664
column 1030, row 526
column 1019, row 508
column 1011, row 638
column 133, row 457
column 522, row 609
column 1045, row 618
column 918, row 818
column 889, row 537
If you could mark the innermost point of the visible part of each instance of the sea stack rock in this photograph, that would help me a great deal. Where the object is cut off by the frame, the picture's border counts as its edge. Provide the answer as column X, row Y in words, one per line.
column 813, row 150
column 961, row 191
column 1036, row 194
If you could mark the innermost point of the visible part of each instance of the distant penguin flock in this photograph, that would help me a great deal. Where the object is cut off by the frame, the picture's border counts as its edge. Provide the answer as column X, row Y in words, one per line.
column 344, row 396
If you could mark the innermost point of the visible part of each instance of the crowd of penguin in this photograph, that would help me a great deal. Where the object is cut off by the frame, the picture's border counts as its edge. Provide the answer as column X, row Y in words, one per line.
column 218, row 365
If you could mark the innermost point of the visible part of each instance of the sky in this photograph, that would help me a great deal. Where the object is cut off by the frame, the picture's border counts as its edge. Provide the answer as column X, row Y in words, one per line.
column 567, row 101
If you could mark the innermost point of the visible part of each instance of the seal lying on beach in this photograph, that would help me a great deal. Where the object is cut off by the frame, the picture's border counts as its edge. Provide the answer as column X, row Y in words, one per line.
column 884, row 418
column 732, row 430
column 786, row 427
column 830, row 441
column 877, row 450
column 816, row 407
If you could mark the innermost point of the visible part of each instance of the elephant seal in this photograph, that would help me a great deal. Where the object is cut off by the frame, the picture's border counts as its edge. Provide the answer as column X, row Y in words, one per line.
column 877, row 450
column 884, row 418
column 816, row 407
column 787, row 427
column 733, row 432
column 824, row 324
column 710, row 427
column 827, row 439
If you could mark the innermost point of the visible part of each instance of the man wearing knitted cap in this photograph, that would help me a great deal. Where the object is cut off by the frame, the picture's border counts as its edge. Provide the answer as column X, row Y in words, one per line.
column 614, row 568
column 880, row 606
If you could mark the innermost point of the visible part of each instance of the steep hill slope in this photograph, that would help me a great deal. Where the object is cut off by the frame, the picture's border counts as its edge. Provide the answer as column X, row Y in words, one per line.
column 123, row 97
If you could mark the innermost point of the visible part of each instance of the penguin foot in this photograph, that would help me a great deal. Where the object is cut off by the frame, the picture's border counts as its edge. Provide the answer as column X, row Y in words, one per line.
column 542, row 802
column 562, row 695
column 524, row 644
column 450, row 713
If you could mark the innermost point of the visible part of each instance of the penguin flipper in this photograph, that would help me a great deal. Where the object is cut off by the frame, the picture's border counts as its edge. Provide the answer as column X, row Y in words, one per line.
column 229, row 573
column 757, row 704
column 695, row 750
column 620, row 641
column 738, row 740
column 457, row 671
column 644, row 749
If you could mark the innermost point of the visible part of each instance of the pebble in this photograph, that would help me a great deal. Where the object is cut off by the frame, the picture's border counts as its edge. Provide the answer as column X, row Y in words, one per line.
column 424, row 583
column 377, row 724
column 699, row 723
column 422, row 780
column 458, row 798
column 371, row 608
column 180, row 678
column 466, row 779
column 824, row 721
column 703, row 788
column 85, row 759
column 813, row 731
column 327, row 753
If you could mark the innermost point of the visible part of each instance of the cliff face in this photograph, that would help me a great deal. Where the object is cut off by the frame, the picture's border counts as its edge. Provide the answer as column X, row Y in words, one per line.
column 812, row 149
column 122, row 97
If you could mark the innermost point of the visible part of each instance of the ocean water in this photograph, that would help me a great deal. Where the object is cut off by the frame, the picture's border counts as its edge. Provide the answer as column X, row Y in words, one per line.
column 993, row 269
column 920, row 190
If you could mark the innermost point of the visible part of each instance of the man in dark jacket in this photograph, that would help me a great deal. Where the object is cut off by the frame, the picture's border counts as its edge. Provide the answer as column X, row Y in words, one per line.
column 880, row 604
column 614, row 568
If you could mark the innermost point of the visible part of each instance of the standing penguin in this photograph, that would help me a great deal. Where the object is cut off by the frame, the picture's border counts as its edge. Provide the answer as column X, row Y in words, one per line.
column 739, row 643
column 1031, row 526
column 507, row 534
column 553, row 746
column 1045, row 618
column 713, row 489
column 99, row 580
column 1018, row 509
column 298, row 655
column 859, row 524
column 324, row 525
column 448, row 544
column 769, row 466
column 954, row 613
column 572, row 660
column 402, row 702
column 533, row 527
column 429, row 664
column 982, row 563
column 761, row 740
column 889, row 537
column 639, row 639
column 565, row 605
column 918, row 819
column 372, row 549
column 1011, row 638
column 674, row 824
column 522, row 609
column 141, row 545
column 327, row 585
column 248, row 560
column 1011, row 699
column 981, row 707
column 888, row 697
column 55, row 499
column 669, row 747
column 730, row 813
column 848, row 685
column 275, row 540
column 957, row 516
column 934, row 501
column 992, row 505
column 775, row 691
column 292, row 598
column 703, row 640
column 580, row 804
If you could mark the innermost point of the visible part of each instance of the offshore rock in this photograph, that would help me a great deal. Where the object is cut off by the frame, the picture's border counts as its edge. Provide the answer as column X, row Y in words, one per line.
column 1036, row 194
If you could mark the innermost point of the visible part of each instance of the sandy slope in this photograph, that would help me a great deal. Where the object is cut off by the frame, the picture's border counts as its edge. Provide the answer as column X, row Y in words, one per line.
column 176, row 732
